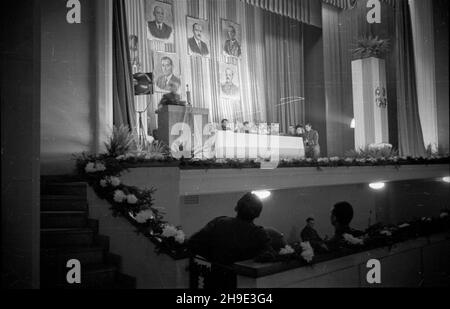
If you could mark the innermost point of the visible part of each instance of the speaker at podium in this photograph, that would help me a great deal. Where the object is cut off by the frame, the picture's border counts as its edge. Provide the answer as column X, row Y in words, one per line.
column 181, row 128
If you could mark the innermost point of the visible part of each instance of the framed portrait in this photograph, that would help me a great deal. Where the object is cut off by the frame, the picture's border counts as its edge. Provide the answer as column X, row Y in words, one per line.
column 231, row 38
column 166, row 72
column 229, row 81
column 160, row 21
column 198, row 37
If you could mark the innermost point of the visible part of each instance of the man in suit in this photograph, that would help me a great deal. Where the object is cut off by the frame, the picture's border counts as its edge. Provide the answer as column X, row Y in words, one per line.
column 158, row 28
column 163, row 82
column 311, row 140
column 232, row 46
column 196, row 45
column 226, row 240
column 310, row 234
column 229, row 88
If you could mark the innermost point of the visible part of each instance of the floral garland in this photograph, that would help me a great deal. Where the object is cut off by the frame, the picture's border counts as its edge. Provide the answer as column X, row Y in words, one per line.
column 102, row 173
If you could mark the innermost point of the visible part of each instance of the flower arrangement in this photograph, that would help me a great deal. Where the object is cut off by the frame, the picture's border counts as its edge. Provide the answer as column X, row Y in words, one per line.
column 371, row 46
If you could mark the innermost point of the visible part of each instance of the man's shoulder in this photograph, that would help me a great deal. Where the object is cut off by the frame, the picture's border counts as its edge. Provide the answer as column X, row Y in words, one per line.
column 175, row 79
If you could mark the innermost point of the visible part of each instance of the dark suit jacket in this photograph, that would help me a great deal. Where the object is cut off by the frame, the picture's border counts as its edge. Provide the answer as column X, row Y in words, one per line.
column 228, row 240
column 196, row 49
column 163, row 34
column 171, row 99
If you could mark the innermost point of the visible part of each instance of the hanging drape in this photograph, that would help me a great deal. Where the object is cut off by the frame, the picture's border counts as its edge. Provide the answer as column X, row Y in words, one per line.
column 284, row 71
column 423, row 37
column 409, row 127
column 123, row 92
column 305, row 11
column 349, row 4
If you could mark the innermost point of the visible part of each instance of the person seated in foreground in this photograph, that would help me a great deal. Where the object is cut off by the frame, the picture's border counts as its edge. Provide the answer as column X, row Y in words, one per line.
column 299, row 131
column 171, row 98
column 341, row 217
column 310, row 234
column 227, row 240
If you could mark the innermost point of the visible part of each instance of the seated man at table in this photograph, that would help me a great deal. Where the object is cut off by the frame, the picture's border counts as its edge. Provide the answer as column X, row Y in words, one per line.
column 224, row 125
column 246, row 129
column 310, row 234
column 341, row 217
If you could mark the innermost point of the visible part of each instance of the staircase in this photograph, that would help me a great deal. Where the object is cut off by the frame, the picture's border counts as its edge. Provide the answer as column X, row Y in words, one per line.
column 68, row 233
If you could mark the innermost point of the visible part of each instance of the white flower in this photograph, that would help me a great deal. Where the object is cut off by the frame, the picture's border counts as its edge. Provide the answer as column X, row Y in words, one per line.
column 100, row 167
column 119, row 196
column 443, row 215
column 180, row 237
column 386, row 233
column 334, row 159
column 349, row 160
column 353, row 240
column 131, row 199
column 309, row 160
column 114, row 181
column 90, row 168
column 120, row 158
column 169, row 231
column 323, row 160
column 403, row 225
column 286, row 250
column 150, row 139
column 144, row 216
column 103, row 183
column 307, row 251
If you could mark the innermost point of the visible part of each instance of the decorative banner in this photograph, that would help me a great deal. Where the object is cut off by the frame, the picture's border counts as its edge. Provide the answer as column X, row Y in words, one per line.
column 160, row 22
column 166, row 70
column 231, row 38
column 198, row 37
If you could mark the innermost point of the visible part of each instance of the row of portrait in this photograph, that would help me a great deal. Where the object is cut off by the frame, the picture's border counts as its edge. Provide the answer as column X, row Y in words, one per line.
column 167, row 73
column 160, row 27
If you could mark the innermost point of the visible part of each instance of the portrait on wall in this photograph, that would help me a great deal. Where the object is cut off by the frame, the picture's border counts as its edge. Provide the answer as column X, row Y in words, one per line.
column 229, row 81
column 166, row 72
column 160, row 21
column 198, row 37
column 231, row 38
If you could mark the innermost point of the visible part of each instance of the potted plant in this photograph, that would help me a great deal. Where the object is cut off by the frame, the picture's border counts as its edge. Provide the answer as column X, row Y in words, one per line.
column 367, row 47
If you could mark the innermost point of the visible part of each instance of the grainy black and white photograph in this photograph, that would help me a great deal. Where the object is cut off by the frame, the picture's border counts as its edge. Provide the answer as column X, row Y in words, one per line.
column 260, row 148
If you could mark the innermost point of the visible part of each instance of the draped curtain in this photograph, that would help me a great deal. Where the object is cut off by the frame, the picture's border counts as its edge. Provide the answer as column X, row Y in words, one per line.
column 349, row 4
column 300, row 10
column 409, row 127
column 284, row 71
column 423, row 37
column 123, row 92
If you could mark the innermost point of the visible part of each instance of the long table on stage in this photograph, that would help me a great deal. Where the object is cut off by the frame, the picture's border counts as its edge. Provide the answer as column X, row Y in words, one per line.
column 230, row 145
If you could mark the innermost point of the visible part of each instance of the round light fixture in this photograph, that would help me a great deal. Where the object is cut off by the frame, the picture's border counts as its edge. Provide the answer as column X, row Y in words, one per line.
column 377, row 185
column 446, row 179
column 353, row 123
column 262, row 194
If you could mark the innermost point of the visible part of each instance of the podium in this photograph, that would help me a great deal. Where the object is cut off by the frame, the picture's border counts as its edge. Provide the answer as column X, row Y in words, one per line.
column 181, row 128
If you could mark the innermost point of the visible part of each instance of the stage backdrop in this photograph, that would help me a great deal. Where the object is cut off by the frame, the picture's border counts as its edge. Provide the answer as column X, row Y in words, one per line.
column 233, row 68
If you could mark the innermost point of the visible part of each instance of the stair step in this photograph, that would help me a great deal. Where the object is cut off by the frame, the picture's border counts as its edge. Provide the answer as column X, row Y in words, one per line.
column 63, row 219
column 66, row 237
column 71, row 189
column 58, row 257
column 93, row 276
column 63, row 203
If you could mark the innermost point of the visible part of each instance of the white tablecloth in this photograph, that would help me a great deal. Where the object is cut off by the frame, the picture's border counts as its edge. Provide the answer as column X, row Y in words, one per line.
column 230, row 145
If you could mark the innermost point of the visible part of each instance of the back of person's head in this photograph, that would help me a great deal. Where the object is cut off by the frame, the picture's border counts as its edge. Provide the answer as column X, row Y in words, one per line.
column 249, row 207
column 342, row 213
column 277, row 241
